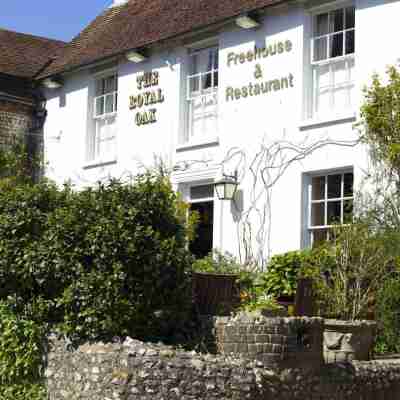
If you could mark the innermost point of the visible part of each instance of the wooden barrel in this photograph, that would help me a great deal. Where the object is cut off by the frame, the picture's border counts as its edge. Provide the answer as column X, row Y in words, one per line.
column 215, row 294
column 304, row 301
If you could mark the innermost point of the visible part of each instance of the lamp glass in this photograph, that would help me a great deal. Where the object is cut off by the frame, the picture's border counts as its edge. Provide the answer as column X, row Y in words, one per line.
column 246, row 22
column 230, row 190
column 226, row 189
column 135, row 56
column 220, row 189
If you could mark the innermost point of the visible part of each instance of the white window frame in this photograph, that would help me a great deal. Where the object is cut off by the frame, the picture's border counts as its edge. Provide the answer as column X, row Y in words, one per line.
column 312, row 228
column 348, row 59
column 93, row 156
column 205, row 95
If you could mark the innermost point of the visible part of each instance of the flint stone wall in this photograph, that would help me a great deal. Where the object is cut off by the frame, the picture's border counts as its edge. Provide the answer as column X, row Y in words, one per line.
column 137, row 371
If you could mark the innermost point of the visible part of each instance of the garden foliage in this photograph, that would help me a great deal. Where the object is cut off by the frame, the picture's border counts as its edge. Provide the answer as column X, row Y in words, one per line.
column 388, row 315
column 284, row 270
column 21, row 342
column 102, row 262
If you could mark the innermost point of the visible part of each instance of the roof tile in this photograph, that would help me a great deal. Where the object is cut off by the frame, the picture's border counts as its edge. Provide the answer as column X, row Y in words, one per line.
column 140, row 23
column 24, row 55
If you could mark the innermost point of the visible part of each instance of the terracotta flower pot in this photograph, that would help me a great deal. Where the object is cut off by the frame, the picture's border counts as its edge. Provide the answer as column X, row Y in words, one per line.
column 345, row 341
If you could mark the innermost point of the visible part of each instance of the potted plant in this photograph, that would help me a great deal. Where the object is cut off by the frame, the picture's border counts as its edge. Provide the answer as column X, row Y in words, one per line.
column 360, row 264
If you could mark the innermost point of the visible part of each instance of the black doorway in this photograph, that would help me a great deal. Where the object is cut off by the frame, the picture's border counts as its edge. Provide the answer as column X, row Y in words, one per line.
column 202, row 245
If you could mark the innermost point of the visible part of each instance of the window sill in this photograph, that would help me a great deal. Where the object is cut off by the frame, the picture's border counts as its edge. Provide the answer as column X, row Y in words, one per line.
column 193, row 145
column 314, row 123
column 99, row 163
column 105, row 116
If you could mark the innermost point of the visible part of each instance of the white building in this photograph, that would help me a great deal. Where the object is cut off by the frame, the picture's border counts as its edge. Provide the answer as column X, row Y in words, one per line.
column 208, row 86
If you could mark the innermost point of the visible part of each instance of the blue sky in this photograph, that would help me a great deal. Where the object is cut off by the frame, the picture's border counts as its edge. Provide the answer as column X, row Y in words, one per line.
column 58, row 19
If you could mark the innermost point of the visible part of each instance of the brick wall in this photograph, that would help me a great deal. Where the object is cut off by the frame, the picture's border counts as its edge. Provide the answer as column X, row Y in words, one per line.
column 277, row 342
column 15, row 120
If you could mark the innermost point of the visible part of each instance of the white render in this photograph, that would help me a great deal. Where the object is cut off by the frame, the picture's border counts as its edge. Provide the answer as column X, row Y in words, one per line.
column 244, row 124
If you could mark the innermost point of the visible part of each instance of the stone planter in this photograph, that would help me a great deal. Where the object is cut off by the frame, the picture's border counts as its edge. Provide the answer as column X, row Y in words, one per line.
column 345, row 341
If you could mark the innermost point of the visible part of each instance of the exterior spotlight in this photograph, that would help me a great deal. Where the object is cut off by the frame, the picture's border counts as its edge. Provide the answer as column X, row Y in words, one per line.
column 135, row 56
column 226, row 187
column 246, row 22
column 52, row 83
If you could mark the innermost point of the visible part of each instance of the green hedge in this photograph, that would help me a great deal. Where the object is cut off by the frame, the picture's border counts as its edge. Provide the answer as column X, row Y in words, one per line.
column 388, row 315
column 102, row 262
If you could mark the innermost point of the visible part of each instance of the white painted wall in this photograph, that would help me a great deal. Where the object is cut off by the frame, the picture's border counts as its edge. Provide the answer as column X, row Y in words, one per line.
column 243, row 123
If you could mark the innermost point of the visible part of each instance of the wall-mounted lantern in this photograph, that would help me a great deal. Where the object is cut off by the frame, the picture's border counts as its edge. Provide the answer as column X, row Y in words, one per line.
column 52, row 83
column 247, row 22
column 135, row 56
column 226, row 187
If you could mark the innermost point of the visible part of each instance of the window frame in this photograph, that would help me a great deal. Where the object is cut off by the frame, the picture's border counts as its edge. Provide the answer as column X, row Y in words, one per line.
column 349, row 60
column 189, row 137
column 93, row 158
column 310, row 228
column 114, row 93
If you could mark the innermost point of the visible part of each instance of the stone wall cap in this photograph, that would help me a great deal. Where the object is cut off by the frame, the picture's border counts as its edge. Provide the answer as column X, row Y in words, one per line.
column 357, row 323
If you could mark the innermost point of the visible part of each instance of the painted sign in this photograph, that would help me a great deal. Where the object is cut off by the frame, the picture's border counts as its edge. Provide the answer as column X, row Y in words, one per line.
column 148, row 98
column 261, row 86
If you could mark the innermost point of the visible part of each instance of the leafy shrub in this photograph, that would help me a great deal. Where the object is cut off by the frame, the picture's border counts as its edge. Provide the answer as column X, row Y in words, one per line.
column 20, row 357
column 218, row 263
column 284, row 270
column 20, row 347
column 388, row 315
column 360, row 265
column 262, row 302
column 106, row 261
column 26, row 391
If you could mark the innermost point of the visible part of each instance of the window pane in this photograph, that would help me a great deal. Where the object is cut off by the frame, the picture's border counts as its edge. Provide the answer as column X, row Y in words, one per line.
column 334, row 212
column 348, row 184
column 341, row 99
column 347, row 211
column 194, row 84
column 336, row 21
column 318, row 214
column 109, row 103
column 350, row 40
column 336, row 45
column 320, row 49
column 334, row 186
column 99, row 106
column 321, row 25
column 216, row 79
column 194, row 63
column 350, row 17
column 99, row 87
column 323, row 76
column 318, row 188
column 216, row 58
column 105, row 138
column 340, row 72
column 207, row 80
column 110, row 84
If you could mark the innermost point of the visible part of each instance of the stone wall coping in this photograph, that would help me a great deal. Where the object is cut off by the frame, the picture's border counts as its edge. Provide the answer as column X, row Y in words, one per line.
column 258, row 318
column 356, row 323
